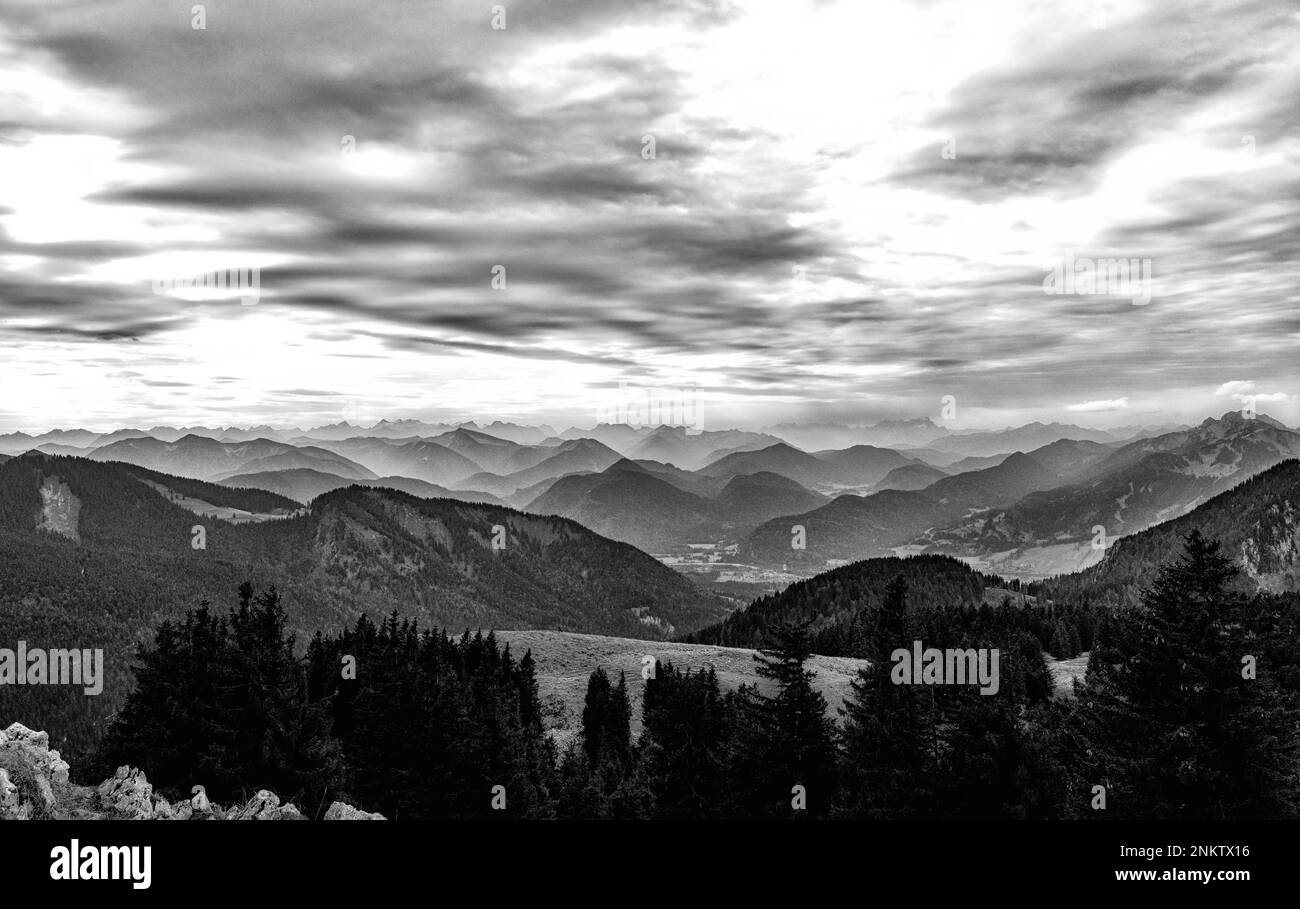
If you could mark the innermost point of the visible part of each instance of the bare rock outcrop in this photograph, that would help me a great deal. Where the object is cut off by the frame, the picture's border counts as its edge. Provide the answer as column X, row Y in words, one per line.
column 34, row 784
column 265, row 806
column 32, row 773
column 128, row 794
column 340, row 811
column 12, row 806
column 37, row 746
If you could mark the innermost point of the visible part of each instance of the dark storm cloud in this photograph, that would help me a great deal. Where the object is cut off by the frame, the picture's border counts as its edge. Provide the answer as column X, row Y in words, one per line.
column 74, row 250
column 122, row 332
column 215, row 196
column 418, row 342
column 26, row 296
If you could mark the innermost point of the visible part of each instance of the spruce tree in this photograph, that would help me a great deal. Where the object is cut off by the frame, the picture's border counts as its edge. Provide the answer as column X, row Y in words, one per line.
column 888, row 755
column 595, row 715
column 681, row 751
column 1171, row 726
column 795, row 739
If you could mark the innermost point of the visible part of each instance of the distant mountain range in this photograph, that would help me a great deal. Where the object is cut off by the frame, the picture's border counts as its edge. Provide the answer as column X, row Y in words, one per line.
column 1022, row 438
column 570, row 457
column 683, row 447
column 1031, row 513
column 1135, row 487
column 1023, row 501
column 662, row 509
column 675, row 445
column 633, row 502
column 926, row 435
column 887, row 434
column 201, row 458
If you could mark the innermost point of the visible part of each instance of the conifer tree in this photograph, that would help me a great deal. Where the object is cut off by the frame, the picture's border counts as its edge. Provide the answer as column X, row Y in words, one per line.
column 888, row 756
column 682, row 746
column 793, row 737
column 595, row 715
column 1172, row 726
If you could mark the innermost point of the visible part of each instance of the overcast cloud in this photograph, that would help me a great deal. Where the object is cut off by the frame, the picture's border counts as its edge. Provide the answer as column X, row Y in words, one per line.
column 848, row 214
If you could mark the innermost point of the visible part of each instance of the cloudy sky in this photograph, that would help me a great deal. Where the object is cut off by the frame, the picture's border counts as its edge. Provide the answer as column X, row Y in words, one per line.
column 801, row 210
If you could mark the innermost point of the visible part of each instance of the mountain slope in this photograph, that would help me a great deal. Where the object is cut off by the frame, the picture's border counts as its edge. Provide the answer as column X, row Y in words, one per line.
column 419, row 459
column 619, row 436
column 300, row 484
column 863, row 465
column 856, row 527
column 910, row 476
column 805, row 469
column 1071, row 457
column 686, row 480
column 628, row 503
column 573, row 456
column 750, row 499
column 317, row 459
column 653, row 507
column 1257, row 522
column 490, row 453
column 689, row 450
column 304, row 484
column 551, row 571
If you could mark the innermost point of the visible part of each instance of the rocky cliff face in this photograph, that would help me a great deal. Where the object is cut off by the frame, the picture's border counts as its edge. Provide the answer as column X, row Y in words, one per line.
column 34, row 785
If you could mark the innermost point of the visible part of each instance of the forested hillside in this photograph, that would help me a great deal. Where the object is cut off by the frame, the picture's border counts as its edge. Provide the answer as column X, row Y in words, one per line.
column 1257, row 523
column 953, row 603
column 125, row 558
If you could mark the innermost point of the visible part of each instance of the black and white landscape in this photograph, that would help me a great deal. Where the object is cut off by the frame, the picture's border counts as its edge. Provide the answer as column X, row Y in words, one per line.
column 667, row 410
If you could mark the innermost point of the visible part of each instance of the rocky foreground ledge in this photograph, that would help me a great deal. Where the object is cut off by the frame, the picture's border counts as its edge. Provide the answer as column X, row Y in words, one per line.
column 34, row 785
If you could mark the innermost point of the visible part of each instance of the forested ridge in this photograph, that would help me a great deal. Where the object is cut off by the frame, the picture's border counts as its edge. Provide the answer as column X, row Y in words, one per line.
column 948, row 596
